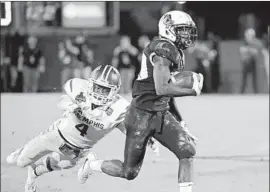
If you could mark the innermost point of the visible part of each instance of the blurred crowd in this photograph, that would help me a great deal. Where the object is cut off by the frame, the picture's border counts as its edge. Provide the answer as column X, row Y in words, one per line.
column 23, row 61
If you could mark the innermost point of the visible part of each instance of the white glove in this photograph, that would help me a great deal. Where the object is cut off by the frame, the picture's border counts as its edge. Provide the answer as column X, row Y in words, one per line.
column 197, row 84
column 153, row 144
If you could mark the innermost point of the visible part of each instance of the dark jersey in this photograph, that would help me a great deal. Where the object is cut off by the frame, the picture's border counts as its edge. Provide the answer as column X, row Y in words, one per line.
column 31, row 57
column 144, row 93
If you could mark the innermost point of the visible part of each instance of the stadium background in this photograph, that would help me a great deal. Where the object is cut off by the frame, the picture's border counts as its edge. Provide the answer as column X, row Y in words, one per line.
column 140, row 18
column 233, row 129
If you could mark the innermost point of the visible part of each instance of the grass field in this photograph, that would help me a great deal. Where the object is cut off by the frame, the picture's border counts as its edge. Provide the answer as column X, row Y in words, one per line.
column 232, row 151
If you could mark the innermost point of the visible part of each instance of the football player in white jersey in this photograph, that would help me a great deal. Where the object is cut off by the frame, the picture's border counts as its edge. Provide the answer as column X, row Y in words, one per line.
column 92, row 108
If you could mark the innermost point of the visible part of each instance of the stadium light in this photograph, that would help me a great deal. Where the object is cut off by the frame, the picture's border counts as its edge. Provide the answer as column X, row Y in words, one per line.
column 181, row 2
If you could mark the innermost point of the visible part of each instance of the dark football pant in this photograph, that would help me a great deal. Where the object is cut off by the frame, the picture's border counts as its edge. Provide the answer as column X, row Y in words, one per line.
column 164, row 127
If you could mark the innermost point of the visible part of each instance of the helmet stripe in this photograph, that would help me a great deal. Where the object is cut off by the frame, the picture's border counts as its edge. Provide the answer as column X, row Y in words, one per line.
column 106, row 78
column 104, row 73
column 70, row 85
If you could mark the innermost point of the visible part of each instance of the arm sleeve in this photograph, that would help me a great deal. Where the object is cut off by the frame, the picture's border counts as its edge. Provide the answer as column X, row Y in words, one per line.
column 167, row 50
column 120, row 119
column 122, row 107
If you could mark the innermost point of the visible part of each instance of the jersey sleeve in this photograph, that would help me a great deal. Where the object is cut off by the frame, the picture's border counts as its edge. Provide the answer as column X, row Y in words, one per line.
column 121, row 108
column 167, row 50
column 66, row 104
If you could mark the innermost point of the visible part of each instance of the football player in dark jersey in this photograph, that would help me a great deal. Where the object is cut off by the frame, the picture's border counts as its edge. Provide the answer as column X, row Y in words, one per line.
column 149, row 113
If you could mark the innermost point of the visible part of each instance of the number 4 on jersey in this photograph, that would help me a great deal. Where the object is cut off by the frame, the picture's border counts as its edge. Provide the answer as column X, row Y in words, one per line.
column 82, row 128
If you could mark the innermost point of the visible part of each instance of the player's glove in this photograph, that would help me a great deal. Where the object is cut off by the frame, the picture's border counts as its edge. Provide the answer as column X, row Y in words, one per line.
column 153, row 144
column 198, row 83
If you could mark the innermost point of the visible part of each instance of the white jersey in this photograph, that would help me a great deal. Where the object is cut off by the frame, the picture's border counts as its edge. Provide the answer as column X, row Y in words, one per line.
column 85, row 126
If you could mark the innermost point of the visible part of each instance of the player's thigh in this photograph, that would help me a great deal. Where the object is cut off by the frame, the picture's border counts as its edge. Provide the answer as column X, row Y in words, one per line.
column 139, row 129
column 41, row 145
column 174, row 137
column 32, row 151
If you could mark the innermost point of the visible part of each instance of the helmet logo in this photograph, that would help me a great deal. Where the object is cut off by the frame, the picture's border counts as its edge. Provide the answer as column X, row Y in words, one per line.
column 167, row 20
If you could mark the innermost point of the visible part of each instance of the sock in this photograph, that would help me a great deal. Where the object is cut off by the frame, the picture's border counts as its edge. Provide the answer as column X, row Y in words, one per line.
column 185, row 187
column 96, row 165
column 40, row 170
column 45, row 167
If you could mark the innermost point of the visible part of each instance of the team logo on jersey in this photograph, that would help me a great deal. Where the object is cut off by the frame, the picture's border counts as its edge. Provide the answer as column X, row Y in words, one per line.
column 109, row 111
column 78, row 113
column 163, row 46
column 80, row 98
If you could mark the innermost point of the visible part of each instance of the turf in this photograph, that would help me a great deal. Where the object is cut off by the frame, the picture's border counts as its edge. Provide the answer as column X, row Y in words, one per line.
column 232, row 151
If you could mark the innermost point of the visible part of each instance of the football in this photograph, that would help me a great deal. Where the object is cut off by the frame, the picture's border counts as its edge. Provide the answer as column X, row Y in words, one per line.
column 184, row 79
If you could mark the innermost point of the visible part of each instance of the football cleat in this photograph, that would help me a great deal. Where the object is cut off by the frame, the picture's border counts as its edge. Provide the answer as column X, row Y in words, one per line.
column 31, row 185
column 85, row 171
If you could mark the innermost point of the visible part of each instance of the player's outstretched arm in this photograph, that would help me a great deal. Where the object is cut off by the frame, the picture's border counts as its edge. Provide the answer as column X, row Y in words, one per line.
column 161, row 79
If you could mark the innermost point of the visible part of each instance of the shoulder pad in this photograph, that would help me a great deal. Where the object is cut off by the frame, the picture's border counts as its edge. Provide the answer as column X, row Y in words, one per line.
column 167, row 50
column 76, row 89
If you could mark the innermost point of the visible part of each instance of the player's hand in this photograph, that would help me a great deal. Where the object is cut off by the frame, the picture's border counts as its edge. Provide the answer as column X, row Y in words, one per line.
column 153, row 144
column 198, row 83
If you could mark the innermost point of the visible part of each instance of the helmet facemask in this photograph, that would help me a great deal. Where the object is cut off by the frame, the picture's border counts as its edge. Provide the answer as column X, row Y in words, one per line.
column 101, row 93
column 185, row 35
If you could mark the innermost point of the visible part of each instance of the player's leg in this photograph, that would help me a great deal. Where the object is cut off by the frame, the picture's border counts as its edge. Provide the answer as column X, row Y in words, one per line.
column 177, row 139
column 26, row 79
column 53, row 162
column 245, row 72
column 32, row 152
column 47, row 142
column 254, row 77
column 41, row 145
column 139, row 129
column 35, row 81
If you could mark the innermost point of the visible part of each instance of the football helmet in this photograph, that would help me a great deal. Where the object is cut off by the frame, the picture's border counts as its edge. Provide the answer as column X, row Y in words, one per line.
column 179, row 28
column 105, row 82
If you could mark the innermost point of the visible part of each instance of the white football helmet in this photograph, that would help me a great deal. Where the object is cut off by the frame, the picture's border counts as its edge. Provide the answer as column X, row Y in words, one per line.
column 105, row 82
column 178, row 27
